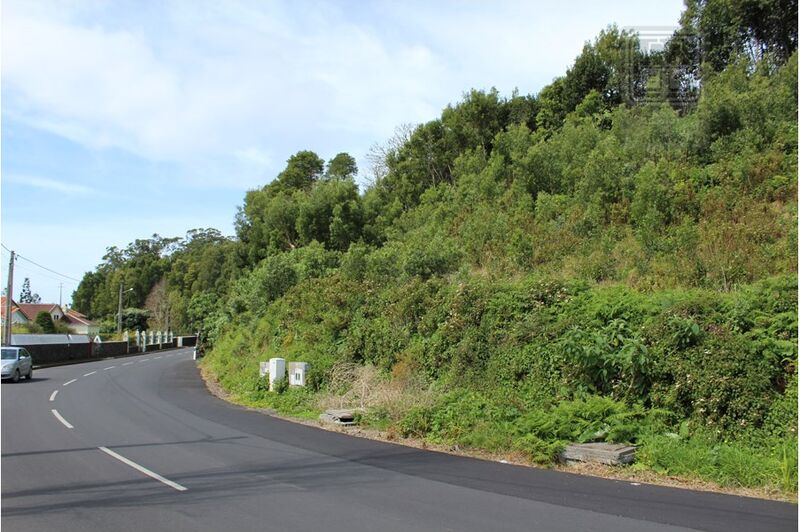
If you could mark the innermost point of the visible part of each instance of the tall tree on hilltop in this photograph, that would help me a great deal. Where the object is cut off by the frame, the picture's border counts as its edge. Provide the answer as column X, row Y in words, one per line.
column 302, row 170
column 343, row 166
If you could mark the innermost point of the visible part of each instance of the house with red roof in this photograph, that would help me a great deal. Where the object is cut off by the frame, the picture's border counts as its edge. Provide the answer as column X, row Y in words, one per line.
column 17, row 316
column 80, row 324
column 31, row 310
column 27, row 312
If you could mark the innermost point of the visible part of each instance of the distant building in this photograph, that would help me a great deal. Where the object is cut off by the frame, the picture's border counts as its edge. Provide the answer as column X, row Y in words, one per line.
column 31, row 310
column 79, row 324
column 27, row 312
column 17, row 316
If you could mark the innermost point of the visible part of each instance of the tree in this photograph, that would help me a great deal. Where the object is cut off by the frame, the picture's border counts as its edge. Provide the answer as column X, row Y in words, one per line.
column 83, row 297
column 25, row 295
column 44, row 321
column 343, row 166
column 612, row 65
column 331, row 214
column 715, row 31
column 135, row 319
column 378, row 154
column 266, row 222
column 302, row 170
column 157, row 304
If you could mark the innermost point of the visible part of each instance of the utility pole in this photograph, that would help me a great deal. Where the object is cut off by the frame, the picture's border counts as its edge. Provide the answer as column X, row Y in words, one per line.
column 60, row 286
column 119, row 314
column 9, row 295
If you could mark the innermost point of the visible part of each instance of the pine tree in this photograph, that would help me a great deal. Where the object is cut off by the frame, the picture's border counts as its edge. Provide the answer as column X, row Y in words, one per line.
column 25, row 295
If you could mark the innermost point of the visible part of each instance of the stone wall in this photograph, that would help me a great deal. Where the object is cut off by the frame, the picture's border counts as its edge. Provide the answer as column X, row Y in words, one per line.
column 54, row 353
column 112, row 349
column 47, row 354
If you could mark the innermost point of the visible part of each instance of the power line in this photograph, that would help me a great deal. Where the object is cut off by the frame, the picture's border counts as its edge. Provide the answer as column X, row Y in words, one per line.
column 49, row 270
column 32, row 272
column 42, row 267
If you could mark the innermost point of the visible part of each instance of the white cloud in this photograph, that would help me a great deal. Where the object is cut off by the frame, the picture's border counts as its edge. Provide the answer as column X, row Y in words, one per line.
column 51, row 185
column 229, row 90
column 213, row 95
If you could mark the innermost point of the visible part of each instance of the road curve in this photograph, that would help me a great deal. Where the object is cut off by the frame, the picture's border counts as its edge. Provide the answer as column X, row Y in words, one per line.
column 138, row 444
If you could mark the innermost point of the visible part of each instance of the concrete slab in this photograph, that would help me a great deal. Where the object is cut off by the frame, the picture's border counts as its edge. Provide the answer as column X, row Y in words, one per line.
column 599, row 452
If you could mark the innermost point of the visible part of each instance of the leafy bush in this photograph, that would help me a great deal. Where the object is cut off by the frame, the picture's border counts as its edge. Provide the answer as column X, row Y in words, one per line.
column 416, row 423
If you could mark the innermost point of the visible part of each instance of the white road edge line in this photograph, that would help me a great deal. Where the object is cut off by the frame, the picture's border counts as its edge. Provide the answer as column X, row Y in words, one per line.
column 90, row 373
column 143, row 469
column 109, row 367
column 61, row 419
column 70, row 382
column 53, row 396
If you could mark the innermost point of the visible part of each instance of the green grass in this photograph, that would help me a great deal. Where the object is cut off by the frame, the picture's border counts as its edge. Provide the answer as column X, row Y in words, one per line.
column 728, row 464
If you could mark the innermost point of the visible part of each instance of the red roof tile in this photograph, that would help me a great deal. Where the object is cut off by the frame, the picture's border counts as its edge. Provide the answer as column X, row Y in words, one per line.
column 31, row 310
column 3, row 307
column 76, row 317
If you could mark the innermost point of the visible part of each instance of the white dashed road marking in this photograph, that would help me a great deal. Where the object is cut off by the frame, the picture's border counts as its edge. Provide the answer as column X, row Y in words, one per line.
column 69, row 382
column 53, row 396
column 108, row 368
column 61, row 419
column 127, row 363
column 142, row 469
column 90, row 373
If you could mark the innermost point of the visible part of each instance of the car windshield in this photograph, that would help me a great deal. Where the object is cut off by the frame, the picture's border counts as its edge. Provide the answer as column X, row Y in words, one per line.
column 9, row 354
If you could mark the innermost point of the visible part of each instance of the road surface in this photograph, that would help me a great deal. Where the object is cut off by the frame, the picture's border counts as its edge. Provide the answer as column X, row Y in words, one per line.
column 139, row 444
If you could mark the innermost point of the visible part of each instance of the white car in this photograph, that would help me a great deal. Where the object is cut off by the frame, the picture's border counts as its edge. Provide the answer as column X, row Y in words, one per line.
column 16, row 363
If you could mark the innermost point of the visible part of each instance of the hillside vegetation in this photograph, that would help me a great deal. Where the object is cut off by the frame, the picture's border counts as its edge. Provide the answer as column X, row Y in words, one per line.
column 612, row 259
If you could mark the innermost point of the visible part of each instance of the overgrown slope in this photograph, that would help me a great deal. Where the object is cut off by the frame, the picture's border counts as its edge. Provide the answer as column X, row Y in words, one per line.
column 609, row 260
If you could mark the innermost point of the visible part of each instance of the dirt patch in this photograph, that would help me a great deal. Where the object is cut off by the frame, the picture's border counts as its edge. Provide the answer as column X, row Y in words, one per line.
column 624, row 473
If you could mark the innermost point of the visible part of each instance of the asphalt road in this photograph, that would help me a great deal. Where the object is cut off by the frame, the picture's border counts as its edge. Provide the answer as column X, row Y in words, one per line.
column 139, row 444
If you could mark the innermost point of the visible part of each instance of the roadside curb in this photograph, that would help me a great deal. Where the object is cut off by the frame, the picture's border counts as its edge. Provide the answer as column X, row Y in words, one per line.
column 588, row 470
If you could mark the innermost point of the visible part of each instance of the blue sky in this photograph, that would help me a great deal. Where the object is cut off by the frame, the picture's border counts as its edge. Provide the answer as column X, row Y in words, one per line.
column 124, row 119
